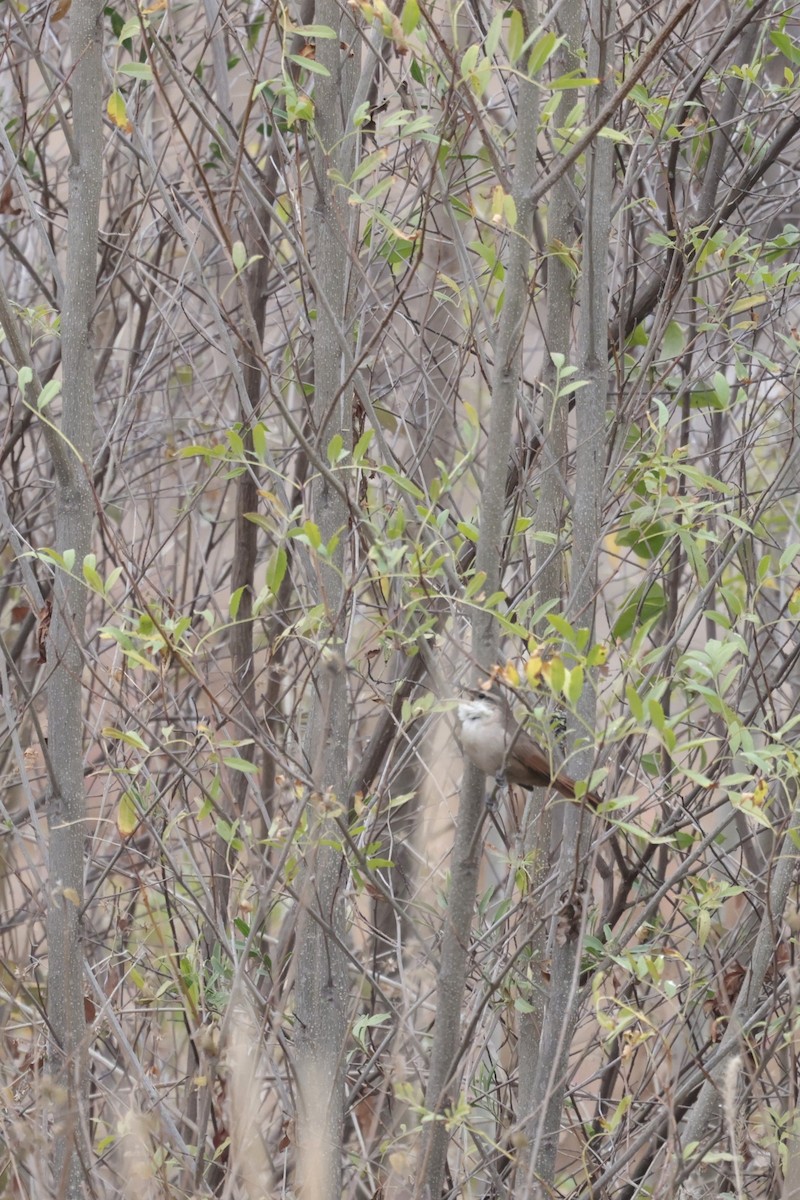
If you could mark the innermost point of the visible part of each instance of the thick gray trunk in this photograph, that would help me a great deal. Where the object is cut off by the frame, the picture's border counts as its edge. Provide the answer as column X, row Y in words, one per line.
column 322, row 1017
column 74, row 509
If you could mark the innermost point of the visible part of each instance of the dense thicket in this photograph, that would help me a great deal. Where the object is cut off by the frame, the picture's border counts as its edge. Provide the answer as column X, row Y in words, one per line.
column 426, row 344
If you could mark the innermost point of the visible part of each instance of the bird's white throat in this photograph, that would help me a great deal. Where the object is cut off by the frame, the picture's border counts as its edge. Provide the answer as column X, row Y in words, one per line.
column 476, row 710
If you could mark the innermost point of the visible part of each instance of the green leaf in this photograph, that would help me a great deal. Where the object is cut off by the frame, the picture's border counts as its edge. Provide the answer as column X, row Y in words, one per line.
column 299, row 107
column 368, row 165
column 645, row 604
column 227, row 832
column 656, row 713
column 276, row 570
column 241, row 764
column 138, row 70
column 409, row 18
column 91, row 576
column 694, row 554
column 315, row 31
column 403, row 483
column 516, row 36
column 788, row 557
column 492, row 38
column 112, row 579
column 614, row 135
column 705, row 398
column 362, row 114
column 236, row 442
column 260, row 441
column 308, row 533
column 573, row 81
column 469, row 60
column 475, row 584
column 674, row 341
column 362, row 445
column 48, row 394
column 661, row 239
column 542, row 52
column 254, row 29
column 198, row 450
column 310, row 64
column 574, row 685
column 722, row 389
column 651, row 763
column 130, row 739
column 786, row 46
column 235, row 601
column 336, row 450
column 562, row 627
column 557, row 675
column 468, row 531
column 238, row 256
column 130, row 29
column 645, row 535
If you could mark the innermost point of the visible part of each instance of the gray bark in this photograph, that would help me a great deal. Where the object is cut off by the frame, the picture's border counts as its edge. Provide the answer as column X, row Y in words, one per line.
column 505, row 384
column 540, row 817
column 550, row 1080
column 74, row 511
column 321, row 962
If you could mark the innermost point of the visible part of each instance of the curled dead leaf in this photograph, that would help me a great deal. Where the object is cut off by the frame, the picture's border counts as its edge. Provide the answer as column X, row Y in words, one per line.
column 43, row 629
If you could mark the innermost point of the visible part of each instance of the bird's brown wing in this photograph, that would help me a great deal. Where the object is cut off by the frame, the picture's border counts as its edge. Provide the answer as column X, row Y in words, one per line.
column 566, row 787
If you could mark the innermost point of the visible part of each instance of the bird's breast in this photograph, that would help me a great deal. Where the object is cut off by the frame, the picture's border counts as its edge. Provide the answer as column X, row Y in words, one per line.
column 485, row 744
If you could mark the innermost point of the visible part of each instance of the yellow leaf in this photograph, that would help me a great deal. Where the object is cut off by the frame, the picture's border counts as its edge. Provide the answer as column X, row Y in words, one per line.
column 511, row 675
column 746, row 803
column 533, row 670
column 746, row 302
column 127, row 816
column 117, row 112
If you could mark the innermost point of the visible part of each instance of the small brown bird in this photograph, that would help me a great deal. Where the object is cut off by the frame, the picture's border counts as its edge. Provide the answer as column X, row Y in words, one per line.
column 497, row 745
